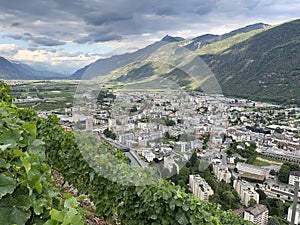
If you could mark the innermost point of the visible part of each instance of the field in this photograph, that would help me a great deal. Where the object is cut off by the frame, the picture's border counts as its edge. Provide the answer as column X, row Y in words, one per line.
column 44, row 95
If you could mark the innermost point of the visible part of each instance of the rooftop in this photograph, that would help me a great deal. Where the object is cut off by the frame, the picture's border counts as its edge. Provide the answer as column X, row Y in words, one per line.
column 257, row 209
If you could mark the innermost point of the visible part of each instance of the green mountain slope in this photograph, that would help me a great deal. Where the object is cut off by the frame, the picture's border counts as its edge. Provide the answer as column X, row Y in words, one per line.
column 264, row 67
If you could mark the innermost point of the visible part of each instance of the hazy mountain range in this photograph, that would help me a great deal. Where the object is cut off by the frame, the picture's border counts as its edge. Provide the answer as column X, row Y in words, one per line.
column 259, row 62
column 20, row 71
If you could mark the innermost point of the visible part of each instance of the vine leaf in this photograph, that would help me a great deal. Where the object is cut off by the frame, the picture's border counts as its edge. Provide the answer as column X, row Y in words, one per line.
column 7, row 185
column 30, row 128
column 14, row 210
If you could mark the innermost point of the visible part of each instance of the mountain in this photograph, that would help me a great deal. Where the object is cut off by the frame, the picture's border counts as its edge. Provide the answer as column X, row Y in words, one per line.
column 20, row 71
column 206, row 39
column 264, row 67
column 169, row 38
column 10, row 70
column 105, row 66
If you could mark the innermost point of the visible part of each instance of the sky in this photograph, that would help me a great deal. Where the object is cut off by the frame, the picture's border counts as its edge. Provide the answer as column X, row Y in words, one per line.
column 65, row 35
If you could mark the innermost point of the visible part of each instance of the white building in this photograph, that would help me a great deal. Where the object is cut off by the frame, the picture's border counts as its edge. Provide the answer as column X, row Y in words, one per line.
column 297, row 217
column 246, row 191
column 222, row 173
column 149, row 155
column 257, row 214
column 294, row 176
column 200, row 187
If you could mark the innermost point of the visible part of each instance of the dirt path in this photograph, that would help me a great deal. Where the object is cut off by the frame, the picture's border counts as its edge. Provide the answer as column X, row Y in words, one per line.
column 269, row 161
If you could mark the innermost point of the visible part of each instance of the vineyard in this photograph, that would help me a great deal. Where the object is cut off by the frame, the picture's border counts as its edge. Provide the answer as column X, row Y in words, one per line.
column 30, row 147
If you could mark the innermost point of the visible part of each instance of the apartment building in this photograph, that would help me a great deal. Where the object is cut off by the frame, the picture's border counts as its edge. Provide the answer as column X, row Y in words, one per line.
column 200, row 187
column 257, row 214
column 246, row 191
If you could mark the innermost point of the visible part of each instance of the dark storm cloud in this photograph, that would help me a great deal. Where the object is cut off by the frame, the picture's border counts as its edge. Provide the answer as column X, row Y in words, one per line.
column 33, row 40
column 97, row 18
column 87, row 21
column 15, row 24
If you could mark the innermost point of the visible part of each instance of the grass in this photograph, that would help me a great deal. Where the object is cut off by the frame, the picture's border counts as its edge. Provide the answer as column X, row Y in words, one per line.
column 260, row 163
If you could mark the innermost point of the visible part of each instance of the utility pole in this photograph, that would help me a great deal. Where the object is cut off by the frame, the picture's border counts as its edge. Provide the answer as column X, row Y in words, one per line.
column 295, row 202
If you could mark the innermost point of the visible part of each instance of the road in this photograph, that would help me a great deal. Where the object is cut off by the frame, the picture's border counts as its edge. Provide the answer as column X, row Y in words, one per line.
column 131, row 154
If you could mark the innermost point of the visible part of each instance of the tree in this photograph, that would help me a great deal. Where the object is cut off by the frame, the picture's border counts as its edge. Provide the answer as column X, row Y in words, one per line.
column 283, row 174
column 108, row 133
column 273, row 172
column 273, row 221
column 262, row 194
column 252, row 202
column 193, row 159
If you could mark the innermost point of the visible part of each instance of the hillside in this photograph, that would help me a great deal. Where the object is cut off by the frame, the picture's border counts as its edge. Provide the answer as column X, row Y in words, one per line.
column 258, row 62
column 264, row 67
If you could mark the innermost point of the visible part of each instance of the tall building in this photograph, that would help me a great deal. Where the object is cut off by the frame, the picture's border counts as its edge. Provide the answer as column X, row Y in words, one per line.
column 294, row 176
column 257, row 214
column 222, row 173
column 246, row 191
column 297, row 217
column 200, row 187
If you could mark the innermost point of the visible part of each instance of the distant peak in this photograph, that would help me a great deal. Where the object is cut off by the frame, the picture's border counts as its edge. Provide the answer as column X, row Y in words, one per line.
column 169, row 38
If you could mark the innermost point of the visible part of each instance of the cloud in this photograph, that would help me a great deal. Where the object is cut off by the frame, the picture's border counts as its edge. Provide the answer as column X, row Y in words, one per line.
column 36, row 40
column 126, row 23
column 15, row 24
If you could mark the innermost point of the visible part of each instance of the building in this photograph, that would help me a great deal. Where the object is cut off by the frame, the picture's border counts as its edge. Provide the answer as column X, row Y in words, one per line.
column 246, row 191
column 222, row 173
column 297, row 217
column 252, row 172
column 149, row 155
column 294, row 176
column 200, row 187
column 123, row 138
column 257, row 214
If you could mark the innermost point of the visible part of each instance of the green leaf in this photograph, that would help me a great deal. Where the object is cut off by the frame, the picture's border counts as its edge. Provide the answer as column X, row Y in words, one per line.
column 10, row 137
column 26, row 164
column 71, row 203
column 57, row 215
column 77, row 220
column 7, row 185
column 50, row 222
column 30, row 128
column 39, row 187
column 14, row 210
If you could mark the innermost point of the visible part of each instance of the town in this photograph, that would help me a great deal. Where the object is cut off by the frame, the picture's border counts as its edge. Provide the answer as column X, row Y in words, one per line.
column 251, row 146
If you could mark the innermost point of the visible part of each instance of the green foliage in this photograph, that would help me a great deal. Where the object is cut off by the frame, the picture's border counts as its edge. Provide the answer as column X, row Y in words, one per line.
column 248, row 153
column 108, row 133
column 262, row 194
column 224, row 194
column 276, row 207
column 5, row 92
column 27, row 193
column 285, row 169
